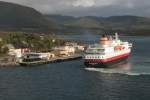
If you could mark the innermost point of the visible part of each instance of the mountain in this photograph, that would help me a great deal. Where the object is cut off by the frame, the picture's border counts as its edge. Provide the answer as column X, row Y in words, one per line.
column 21, row 18
column 133, row 25
column 14, row 16
column 130, row 24
column 60, row 18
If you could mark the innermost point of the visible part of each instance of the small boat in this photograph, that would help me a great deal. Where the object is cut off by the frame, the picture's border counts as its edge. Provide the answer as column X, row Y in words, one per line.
column 32, row 58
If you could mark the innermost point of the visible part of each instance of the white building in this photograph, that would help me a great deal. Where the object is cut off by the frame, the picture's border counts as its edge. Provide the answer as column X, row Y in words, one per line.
column 18, row 53
column 75, row 45
column 65, row 50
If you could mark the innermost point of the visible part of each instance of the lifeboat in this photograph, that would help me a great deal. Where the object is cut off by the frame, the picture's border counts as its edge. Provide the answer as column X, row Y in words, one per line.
column 119, row 47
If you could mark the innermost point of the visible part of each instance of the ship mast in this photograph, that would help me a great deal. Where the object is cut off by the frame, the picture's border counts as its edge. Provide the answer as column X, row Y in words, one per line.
column 116, row 36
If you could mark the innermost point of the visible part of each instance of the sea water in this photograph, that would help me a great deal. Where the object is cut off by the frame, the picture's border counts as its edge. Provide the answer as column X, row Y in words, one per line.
column 71, row 80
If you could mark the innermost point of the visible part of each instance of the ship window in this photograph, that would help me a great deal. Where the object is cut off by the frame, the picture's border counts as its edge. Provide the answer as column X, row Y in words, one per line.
column 100, row 50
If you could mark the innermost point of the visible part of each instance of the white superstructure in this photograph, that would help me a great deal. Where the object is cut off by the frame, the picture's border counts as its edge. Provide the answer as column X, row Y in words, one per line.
column 107, row 50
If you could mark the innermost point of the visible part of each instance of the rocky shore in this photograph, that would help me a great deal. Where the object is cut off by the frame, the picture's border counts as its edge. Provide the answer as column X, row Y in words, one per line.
column 7, row 62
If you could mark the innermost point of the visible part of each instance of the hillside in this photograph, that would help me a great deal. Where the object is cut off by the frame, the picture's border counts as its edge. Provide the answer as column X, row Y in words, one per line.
column 132, row 25
column 14, row 16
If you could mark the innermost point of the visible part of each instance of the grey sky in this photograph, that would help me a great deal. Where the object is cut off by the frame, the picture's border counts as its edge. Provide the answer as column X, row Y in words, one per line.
column 89, row 7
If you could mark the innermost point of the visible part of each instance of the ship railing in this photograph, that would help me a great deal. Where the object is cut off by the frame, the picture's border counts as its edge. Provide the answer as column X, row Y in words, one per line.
column 130, row 45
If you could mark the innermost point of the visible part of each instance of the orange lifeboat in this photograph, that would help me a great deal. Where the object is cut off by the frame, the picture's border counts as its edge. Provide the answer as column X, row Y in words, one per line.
column 104, row 40
column 119, row 47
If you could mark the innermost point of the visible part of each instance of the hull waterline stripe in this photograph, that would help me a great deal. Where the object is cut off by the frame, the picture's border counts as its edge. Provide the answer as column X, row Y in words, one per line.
column 107, row 59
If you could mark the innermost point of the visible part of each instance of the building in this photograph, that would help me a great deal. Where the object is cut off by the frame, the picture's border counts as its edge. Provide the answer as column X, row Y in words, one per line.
column 64, row 50
column 75, row 45
column 17, row 52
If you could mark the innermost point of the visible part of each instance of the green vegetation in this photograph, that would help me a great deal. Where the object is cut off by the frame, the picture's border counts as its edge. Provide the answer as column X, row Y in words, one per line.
column 34, row 41
column 4, row 50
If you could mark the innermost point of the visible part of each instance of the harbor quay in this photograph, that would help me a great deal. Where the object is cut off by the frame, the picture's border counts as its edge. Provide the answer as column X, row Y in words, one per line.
column 53, row 60
column 25, row 57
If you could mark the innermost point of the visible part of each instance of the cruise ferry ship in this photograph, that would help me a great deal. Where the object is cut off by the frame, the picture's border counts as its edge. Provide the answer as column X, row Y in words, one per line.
column 107, row 53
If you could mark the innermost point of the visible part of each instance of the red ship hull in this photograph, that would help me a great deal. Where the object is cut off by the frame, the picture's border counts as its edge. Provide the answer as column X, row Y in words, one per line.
column 106, row 63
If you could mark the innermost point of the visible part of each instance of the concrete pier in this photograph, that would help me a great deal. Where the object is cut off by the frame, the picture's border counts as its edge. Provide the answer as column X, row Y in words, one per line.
column 53, row 60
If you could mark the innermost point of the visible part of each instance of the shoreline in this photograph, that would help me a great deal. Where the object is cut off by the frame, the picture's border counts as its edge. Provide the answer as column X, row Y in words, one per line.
column 9, row 64
column 106, row 34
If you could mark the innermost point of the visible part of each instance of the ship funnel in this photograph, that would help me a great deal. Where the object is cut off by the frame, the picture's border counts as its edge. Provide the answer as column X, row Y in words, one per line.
column 104, row 40
column 116, row 36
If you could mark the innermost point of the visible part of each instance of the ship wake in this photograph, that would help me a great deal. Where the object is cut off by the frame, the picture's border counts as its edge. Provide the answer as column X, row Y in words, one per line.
column 124, row 69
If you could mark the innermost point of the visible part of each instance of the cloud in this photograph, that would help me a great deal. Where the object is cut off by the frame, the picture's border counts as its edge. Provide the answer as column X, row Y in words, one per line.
column 84, row 3
column 89, row 7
